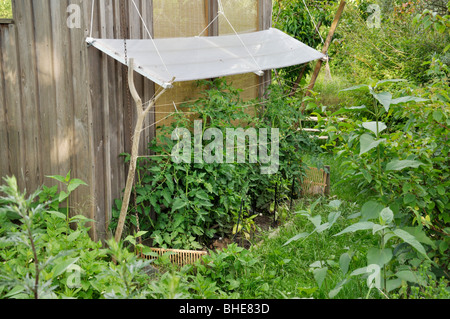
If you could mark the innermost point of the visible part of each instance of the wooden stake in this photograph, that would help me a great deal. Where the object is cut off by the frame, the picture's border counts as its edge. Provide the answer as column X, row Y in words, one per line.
column 334, row 26
column 141, row 114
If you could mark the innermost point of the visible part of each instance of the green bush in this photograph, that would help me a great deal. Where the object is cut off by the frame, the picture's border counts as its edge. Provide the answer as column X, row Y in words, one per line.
column 42, row 257
column 195, row 201
column 399, row 48
column 5, row 9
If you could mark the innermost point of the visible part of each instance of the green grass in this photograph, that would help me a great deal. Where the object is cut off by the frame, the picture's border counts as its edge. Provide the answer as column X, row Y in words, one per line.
column 6, row 9
column 344, row 191
column 286, row 269
column 328, row 89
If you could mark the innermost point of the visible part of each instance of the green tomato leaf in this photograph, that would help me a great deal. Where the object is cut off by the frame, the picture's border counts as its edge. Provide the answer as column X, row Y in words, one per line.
column 178, row 203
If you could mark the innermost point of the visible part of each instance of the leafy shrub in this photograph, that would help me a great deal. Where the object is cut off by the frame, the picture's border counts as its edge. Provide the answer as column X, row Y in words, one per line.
column 398, row 49
column 42, row 257
column 193, row 202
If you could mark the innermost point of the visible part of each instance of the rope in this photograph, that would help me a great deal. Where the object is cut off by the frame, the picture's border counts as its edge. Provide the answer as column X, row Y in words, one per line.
column 217, row 16
column 92, row 18
column 150, row 35
column 221, row 12
column 312, row 19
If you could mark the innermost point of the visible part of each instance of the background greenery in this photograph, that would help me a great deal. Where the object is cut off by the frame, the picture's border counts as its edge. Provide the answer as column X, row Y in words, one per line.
column 389, row 204
column 5, row 9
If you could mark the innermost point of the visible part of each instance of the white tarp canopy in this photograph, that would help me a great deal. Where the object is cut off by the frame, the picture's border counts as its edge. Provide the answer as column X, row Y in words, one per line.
column 196, row 58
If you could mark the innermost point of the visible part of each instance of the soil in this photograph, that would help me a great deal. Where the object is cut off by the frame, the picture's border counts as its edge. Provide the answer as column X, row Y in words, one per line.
column 263, row 222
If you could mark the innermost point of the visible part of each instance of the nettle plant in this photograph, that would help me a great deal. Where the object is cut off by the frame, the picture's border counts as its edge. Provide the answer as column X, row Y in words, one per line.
column 394, row 181
column 403, row 153
column 40, row 256
column 390, row 264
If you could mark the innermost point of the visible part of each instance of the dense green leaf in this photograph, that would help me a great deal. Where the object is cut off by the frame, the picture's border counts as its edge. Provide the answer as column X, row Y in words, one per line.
column 344, row 262
column 320, row 274
column 74, row 184
column 371, row 210
column 296, row 237
column 74, row 235
column 379, row 257
column 397, row 165
column 356, row 227
column 63, row 265
column 178, row 203
column 367, row 143
column 410, row 239
column 372, row 126
column 385, row 99
column 406, row 99
column 386, row 216
column 63, row 196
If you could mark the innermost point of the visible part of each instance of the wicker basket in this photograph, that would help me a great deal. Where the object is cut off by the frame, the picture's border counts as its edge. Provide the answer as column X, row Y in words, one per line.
column 178, row 256
column 315, row 182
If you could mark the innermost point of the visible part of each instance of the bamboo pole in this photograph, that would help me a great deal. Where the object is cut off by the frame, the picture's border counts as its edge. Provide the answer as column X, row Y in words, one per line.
column 333, row 28
column 141, row 114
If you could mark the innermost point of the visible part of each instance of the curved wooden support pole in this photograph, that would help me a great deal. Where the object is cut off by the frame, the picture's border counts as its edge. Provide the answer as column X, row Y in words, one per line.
column 141, row 113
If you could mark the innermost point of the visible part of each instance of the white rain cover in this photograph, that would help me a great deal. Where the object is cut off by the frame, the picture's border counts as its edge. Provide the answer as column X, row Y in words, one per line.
column 196, row 58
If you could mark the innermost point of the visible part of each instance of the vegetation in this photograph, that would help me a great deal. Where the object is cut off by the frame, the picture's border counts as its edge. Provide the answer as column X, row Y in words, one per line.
column 382, row 233
column 5, row 9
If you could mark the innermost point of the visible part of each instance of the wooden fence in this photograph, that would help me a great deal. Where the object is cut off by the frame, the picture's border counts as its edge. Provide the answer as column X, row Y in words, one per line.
column 64, row 106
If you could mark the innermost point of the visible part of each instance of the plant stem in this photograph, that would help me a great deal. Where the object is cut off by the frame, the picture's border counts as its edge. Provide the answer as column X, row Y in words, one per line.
column 378, row 146
column 36, row 263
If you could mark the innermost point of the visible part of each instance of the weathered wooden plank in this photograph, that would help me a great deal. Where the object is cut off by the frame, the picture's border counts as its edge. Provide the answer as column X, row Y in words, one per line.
column 82, row 160
column 45, row 89
column 148, row 86
column 117, row 146
column 213, row 9
column 13, row 107
column 265, row 22
column 4, row 161
column 64, row 116
column 30, row 106
column 106, row 31
column 96, row 87
column 85, row 128
column 137, row 31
